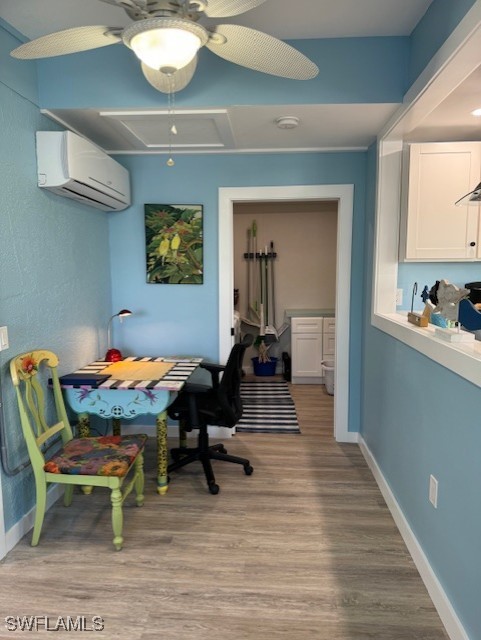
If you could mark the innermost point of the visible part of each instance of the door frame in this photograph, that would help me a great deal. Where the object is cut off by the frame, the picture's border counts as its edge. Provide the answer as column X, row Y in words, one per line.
column 344, row 195
column 3, row 533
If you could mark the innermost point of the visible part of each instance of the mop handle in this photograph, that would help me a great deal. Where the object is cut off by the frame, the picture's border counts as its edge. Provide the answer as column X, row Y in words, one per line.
column 272, row 283
column 255, row 281
column 248, row 271
column 266, row 288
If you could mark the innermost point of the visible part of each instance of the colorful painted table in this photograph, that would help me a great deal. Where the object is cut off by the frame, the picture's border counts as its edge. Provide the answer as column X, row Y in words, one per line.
column 103, row 389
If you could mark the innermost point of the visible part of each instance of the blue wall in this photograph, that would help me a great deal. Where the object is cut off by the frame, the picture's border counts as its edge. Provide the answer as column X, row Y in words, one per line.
column 54, row 270
column 458, row 273
column 418, row 418
column 413, row 429
column 439, row 21
column 184, row 318
column 352, row 70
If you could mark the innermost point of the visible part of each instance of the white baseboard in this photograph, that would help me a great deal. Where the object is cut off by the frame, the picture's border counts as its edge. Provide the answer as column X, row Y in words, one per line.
column 350, row 437
column 23, row 526
column 449, row 618
column 306, row 380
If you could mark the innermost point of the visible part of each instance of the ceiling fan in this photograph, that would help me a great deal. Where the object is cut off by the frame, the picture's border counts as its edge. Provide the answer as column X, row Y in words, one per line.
column 167, row 34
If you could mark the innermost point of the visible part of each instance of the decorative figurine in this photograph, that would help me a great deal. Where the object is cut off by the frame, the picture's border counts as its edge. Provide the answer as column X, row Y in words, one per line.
column 447, row 299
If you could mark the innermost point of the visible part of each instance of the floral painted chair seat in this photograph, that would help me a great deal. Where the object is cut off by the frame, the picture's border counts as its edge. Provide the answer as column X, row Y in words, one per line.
column 115, row 462
column 105, row 456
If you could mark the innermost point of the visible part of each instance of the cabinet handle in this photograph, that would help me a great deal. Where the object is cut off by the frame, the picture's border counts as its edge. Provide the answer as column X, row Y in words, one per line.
column 472, row 244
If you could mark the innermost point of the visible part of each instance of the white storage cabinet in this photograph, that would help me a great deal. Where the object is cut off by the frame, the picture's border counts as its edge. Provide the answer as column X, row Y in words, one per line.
column 432, row 227
column 328, row 338
column 312, row 341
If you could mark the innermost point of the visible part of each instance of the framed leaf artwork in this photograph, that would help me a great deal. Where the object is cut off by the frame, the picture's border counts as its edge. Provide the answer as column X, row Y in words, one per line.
column 174, row 243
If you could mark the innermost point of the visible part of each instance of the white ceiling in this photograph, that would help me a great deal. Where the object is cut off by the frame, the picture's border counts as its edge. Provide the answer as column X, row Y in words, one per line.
column 239, row 129
column 285, row 19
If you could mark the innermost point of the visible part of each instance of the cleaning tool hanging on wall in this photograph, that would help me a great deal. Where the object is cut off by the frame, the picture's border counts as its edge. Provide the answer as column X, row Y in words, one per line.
column 248, row 301
column 273, row 288
column 261, row 293
column 255, row 284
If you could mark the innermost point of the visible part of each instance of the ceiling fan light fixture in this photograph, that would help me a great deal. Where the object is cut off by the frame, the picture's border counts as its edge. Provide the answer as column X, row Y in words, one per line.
column 165, row 44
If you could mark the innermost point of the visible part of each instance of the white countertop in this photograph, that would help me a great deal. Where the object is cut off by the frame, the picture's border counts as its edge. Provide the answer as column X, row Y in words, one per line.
column 310, row 313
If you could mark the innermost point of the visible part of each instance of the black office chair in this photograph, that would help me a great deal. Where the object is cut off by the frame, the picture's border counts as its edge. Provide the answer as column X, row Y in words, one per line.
column 220, row 404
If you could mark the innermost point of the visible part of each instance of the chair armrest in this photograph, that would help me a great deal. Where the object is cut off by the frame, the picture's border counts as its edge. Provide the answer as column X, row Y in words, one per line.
column 186, row 403
column 192, row 387
column 215, row 370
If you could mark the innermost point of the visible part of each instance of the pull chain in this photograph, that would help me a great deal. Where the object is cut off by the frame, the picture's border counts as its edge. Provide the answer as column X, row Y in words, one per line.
column 172, row 127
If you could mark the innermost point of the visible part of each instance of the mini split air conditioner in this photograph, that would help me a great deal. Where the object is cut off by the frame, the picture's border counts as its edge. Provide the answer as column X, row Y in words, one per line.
column 71, row 166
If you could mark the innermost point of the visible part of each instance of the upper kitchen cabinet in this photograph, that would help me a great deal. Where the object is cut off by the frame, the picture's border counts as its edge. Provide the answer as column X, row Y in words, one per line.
column 433, row 229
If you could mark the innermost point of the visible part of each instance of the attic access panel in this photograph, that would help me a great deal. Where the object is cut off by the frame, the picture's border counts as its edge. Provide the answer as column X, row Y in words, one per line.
column 196, row 129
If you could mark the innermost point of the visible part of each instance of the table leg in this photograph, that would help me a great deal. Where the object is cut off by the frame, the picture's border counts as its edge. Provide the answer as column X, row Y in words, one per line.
column 162, row 452
column 83, row 425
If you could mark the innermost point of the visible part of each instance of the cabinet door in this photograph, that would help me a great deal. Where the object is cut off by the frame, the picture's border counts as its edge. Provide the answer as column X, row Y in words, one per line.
column 306, row 354
column 434, row 229
column 328, row 345
column 329, row 325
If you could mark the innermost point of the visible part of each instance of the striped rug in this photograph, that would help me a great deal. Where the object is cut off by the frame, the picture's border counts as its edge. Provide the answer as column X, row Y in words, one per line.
column 268, row 408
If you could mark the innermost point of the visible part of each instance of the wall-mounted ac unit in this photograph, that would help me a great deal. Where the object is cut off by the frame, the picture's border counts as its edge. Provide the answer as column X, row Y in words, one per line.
column 71, row 166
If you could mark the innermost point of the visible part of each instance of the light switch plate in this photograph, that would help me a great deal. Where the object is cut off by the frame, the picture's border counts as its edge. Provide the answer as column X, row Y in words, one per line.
column 3, row 338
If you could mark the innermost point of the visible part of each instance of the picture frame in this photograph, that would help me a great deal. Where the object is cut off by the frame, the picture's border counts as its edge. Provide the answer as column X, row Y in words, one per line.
column 174, row 243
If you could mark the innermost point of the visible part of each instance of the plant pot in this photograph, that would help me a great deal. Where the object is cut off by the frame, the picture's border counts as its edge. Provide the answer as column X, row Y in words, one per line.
column 264, row 368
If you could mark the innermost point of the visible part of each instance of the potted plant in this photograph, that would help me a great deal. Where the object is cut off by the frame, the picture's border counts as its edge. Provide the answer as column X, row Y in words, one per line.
column 264, row 365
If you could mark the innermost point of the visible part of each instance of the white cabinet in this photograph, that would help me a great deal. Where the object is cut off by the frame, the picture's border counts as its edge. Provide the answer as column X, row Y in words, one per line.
column 306, row 349
column 329, row 338
column 432, row 227
column 312, row 341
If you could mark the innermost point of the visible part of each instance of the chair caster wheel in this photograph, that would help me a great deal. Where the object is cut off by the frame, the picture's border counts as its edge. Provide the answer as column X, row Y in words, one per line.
column 214, row 488
column 222, row 449
column 248, row 470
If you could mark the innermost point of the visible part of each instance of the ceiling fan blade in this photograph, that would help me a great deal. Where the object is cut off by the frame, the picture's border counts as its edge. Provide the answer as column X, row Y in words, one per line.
column 167, row 84
column 259, row 51
column 228, row 8
column 68, row 41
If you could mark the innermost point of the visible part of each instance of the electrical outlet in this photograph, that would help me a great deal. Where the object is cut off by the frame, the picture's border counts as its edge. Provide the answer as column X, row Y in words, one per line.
column 3, row 338
column 433, row 491
column 399, row 297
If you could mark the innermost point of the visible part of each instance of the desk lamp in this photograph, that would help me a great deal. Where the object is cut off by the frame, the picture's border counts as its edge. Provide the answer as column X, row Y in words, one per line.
column 114, row 355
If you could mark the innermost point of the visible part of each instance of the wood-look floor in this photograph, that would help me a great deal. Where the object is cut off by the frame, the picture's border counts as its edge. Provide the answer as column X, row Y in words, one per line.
column 305, row 548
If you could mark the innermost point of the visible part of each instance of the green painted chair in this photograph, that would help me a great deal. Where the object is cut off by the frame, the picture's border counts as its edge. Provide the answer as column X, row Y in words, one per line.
column 98, row 462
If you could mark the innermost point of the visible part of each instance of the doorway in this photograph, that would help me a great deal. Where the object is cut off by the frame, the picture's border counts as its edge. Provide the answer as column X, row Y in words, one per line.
column 343, row 194
column 303, row 237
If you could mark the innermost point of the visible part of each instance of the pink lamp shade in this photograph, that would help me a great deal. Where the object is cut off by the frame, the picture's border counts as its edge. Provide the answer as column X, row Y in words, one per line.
column 114, row 355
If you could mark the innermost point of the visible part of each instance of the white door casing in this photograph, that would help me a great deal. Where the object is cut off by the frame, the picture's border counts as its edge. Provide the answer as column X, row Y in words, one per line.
column 344, row 195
